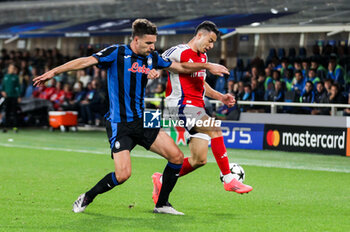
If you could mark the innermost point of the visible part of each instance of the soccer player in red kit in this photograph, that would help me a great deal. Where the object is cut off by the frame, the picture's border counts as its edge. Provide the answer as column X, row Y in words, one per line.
column 184, row 99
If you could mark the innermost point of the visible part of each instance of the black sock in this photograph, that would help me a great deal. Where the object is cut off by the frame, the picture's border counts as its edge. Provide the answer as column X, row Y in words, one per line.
column 105, row 184
column 170, row 176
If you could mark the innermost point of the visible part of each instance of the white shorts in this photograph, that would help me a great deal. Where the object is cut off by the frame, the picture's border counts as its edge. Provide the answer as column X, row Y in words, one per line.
column 189, row 115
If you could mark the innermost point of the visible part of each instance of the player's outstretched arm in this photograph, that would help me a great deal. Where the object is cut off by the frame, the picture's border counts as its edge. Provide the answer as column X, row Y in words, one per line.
column 227, row 99
column 188, row 68
column 72, row 65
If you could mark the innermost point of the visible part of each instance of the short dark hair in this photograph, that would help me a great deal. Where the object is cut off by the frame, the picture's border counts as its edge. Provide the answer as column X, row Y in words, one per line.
column 312, row 84
column 313, row 69
column 298, row 71
column 15, row 65
column 321, row 83
column 142, row 27
column 208, row 26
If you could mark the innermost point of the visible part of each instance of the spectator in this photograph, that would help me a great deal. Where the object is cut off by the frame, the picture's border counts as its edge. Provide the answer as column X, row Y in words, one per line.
column 288, row 79
column 258, row 89
column 321, row 96
column 298, row 83
column 321, row 71
column 268, row 76
column 78, row 96
column 276, row 76
column 277, row 95
column 283, row 66
column 320, row 93
column 297, row 64
column 312, row 76
column 47, row 92
column 334, row 97
column 230, row 86
column 335, row 71
column 269, row 90
column 307, row 96
column 261, row 83
column 238, row 90
column 10, row 90
column 83, row 77
column 248, row 94
column 24, row 77
column 92, row 106
column 252, row 74
column 328, row 85
column 61, row 96
column 57, row 96
column 258, row 92
column 305, row 67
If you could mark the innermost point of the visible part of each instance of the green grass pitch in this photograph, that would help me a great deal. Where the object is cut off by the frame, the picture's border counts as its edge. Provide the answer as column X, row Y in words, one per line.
column 42, row 173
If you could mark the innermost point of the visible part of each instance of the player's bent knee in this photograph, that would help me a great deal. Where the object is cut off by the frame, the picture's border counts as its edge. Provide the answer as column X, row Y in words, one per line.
column 123, row 176
column 177, row 158
column 216, row 132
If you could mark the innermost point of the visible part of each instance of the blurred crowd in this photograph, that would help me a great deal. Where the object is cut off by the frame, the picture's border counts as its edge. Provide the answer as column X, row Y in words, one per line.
column 322, row 77
column 84, row 91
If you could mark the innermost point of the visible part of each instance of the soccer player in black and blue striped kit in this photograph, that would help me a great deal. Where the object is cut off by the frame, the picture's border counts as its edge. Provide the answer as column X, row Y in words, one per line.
column 129, row 67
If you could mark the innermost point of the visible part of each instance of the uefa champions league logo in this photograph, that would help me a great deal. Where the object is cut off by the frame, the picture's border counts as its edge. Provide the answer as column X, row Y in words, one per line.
column 151, row 118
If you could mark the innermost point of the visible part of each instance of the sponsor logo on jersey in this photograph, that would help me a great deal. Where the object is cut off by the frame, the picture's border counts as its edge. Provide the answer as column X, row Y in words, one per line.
column 149, row 61
column 137, row 68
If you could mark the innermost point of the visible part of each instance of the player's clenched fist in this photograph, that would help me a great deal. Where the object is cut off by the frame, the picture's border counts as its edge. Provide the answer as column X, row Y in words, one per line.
column 153, row 74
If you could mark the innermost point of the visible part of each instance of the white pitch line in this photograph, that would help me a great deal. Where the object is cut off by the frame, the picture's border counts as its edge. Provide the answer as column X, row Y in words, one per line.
column 258, row 163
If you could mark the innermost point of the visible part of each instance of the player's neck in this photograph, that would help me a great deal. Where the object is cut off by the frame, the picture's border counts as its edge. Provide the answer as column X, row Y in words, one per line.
column 133, row 47
column 192, row 45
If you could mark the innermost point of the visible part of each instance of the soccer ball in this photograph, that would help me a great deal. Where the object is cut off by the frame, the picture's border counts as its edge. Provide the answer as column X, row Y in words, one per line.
column 237, row 171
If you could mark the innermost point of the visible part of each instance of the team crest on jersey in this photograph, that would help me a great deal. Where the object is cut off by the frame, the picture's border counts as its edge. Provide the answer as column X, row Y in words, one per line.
column 149, row 61
column 117, row 145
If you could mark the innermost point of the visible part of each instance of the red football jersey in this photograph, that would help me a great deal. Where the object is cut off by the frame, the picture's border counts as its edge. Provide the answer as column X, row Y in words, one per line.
column 186, row 89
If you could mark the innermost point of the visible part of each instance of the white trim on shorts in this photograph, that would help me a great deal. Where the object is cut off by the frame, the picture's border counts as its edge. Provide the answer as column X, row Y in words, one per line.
column 192, row 112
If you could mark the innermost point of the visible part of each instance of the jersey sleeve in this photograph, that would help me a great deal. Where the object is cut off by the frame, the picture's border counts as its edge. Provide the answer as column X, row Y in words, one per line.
column 161, row 62
column 106, row 56
column 173, row 54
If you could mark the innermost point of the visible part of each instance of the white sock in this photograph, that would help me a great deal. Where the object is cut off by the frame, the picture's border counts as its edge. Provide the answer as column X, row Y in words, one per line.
column 228, row 178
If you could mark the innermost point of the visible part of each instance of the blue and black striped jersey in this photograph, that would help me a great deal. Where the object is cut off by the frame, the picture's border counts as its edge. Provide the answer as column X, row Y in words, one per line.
column 127, row 79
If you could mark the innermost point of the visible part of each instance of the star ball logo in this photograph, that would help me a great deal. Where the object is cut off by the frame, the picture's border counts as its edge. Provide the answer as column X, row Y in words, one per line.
column 273, row 138
column 151, row 118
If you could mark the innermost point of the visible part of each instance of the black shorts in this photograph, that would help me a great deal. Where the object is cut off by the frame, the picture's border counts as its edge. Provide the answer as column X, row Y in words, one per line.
column 125, row 135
